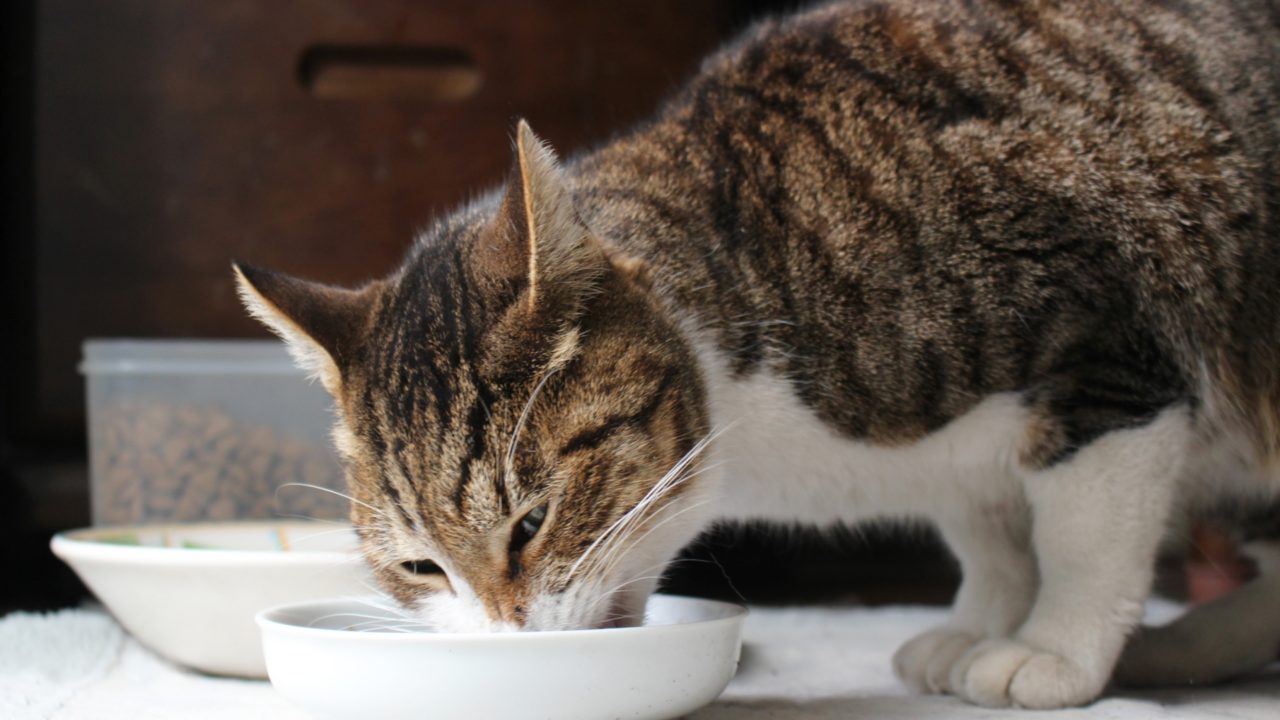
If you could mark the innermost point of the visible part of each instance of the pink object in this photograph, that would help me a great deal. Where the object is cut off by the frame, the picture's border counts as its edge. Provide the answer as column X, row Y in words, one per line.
column 1215, row 567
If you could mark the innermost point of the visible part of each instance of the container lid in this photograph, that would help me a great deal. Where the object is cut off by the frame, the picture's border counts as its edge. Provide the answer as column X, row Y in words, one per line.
column 186, row 357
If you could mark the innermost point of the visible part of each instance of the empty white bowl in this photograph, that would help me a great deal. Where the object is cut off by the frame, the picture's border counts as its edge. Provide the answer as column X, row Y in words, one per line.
column 190, row 591
column 325, row 657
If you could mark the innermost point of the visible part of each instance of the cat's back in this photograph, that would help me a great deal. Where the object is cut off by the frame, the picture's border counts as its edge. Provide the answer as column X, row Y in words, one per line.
column 929, row 113
column 915, row 204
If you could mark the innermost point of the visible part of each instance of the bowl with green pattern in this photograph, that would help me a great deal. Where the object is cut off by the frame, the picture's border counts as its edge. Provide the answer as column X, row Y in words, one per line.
column 190, row 591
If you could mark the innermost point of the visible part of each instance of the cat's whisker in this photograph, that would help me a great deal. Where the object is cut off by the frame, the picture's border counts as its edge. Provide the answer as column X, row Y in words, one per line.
column 507, row 466
column 632, row 581
column 636, row 541
column 331, row 491
column 611, row 538
column 608, row 594
column 688, row 508
column 762, row 323
column 374, row 618
column 391, row 628
column 354, row 559
column 312, row 519
column 643, row 570
column 319, row 534
column 387, row 601
column 640, row 506
column 668, row 481
column 389, row 605
column 394, row 623
column 376, row 591
column 389, row 608
column 384, row 622
column 617, row 544
column 398, row 616
column 609, row 597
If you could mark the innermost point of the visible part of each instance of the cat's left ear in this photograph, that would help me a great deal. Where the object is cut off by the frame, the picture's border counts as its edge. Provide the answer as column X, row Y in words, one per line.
column 539, row 235
column 322, row 325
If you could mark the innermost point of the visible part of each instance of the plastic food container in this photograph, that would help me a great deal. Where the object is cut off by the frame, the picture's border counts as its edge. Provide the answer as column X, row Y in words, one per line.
column 184, row 431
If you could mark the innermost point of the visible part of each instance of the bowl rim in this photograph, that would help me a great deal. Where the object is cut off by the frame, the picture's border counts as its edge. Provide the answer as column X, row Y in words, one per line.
column 736, row 615
column 75, row 545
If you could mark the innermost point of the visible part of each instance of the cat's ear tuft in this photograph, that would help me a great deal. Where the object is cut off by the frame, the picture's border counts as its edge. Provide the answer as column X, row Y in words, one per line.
column 322, row 325
column 539, row 232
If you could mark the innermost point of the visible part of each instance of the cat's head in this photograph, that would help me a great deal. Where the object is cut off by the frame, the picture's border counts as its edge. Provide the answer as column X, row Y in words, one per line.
column 519, row 420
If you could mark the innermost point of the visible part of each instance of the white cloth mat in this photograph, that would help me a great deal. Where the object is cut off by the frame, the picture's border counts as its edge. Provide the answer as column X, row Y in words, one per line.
column 802, row 664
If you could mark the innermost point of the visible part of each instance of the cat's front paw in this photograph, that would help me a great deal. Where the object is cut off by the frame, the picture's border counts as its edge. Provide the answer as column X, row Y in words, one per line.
column 1000, row 673
column 924, row 662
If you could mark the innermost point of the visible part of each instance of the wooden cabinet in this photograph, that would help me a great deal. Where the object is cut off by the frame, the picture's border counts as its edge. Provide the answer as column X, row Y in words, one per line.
column 312, row 136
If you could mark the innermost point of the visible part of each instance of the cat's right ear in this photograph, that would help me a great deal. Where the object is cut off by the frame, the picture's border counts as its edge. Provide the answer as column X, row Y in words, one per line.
column 322, row 325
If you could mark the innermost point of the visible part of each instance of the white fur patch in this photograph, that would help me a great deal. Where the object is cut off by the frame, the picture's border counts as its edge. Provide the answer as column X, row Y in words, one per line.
column 1054, row 598
column 779, row 462
column 459, row 612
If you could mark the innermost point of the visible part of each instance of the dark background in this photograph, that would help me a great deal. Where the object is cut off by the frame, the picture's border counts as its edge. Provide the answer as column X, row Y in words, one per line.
column 148, row 142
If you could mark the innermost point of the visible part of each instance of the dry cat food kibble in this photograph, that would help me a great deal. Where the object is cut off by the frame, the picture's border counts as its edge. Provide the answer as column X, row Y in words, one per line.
column 164, row 462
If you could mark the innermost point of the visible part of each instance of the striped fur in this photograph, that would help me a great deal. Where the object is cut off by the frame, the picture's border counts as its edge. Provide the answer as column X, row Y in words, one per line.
column 893, row 218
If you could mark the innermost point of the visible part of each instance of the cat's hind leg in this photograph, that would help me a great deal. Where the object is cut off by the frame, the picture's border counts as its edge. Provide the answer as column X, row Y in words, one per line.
column 1098, row 516
column 997, row 587
column 1233, row 635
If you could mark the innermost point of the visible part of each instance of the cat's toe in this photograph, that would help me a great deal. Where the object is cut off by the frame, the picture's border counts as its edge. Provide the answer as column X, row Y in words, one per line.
column 924, row 662
column 1048, row 681
column 982, row 674
column 1002, row 673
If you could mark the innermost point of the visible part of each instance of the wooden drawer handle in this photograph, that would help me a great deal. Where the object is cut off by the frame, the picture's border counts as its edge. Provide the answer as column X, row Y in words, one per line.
column 364, row 72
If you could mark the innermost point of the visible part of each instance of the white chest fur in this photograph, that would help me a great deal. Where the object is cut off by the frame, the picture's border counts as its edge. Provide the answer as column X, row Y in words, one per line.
column 777, row 461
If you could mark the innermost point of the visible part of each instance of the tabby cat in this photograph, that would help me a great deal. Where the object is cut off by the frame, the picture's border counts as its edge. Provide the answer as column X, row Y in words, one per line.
column 1009, row 267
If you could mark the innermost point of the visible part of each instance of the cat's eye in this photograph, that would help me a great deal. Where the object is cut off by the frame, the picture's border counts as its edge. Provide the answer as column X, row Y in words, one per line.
column 421, row 567
column 528, row 526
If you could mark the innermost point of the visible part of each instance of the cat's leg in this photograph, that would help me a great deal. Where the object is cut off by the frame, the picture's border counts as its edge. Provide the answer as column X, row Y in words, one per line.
column 997, row 587
column 1098, row 516
column 1233, row 635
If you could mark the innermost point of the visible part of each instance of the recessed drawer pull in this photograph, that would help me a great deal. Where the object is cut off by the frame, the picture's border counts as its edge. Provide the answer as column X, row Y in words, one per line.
column 362, row 72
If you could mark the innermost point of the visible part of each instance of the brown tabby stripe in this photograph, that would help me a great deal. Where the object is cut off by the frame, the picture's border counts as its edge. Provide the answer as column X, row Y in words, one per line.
column 1022, row 271
column 897, row 207
column 591, row 438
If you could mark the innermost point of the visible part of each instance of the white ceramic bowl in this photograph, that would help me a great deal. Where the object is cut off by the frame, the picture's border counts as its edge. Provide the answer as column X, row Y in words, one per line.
column 325, row 658
column 190, row 592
